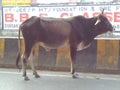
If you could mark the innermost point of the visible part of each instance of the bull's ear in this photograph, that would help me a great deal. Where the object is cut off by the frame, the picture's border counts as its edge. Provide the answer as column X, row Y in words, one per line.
column 98, row 21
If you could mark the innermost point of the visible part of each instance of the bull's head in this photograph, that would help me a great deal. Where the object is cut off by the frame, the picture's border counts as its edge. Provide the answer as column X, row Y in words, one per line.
column 98, row 20
column 103, row 23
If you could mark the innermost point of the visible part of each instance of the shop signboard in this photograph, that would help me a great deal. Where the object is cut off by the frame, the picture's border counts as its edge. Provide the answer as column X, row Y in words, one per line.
column 0, row 18
column 14, row 16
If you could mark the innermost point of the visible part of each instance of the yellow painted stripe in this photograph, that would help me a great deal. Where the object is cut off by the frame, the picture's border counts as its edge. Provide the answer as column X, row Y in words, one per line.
column 63, row 57
column 2, row 48
column 107, row 54
column 22, row 46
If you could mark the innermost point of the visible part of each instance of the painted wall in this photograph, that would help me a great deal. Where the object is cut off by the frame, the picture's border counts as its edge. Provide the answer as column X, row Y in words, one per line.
column 101, row 56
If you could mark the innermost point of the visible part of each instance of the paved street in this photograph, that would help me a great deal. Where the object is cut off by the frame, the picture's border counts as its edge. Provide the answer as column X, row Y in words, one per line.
column 12, row 80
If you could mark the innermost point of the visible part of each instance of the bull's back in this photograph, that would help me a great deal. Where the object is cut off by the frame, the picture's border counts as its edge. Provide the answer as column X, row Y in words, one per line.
column 51, row 32
column 27, row 24
column 56, row 31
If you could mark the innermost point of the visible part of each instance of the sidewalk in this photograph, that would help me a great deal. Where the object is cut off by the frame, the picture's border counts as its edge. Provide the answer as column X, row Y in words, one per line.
column 65, row 74
column 11, row 79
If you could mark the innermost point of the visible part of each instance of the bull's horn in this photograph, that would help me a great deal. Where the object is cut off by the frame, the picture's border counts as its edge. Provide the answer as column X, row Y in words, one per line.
column 103, row 11
column 98, row 20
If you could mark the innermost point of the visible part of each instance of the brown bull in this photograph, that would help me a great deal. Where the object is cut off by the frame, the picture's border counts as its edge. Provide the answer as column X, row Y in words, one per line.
column 75, row 32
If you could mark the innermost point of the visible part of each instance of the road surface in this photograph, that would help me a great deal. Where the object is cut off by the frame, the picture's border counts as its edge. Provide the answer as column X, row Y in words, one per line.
column 12, row 80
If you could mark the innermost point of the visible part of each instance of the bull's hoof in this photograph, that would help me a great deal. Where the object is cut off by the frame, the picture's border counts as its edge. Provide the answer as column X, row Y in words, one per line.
column 26, row 79
column 75, row 76
column 37, row 76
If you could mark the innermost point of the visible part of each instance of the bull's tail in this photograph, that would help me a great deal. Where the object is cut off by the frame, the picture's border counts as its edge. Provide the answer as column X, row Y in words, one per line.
column 19, row 47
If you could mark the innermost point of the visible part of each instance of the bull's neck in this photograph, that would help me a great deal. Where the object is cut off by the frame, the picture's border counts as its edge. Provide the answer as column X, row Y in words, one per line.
column 90, row 31
column 91, row 28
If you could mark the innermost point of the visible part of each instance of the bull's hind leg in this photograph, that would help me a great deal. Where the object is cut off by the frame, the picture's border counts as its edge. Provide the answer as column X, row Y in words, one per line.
column 73, row 61
column 32, row 58
column 26, row 55
column 24, row 65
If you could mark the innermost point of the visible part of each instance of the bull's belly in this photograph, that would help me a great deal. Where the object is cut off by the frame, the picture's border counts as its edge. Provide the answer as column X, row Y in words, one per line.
column 64, row 44
column 54, row 45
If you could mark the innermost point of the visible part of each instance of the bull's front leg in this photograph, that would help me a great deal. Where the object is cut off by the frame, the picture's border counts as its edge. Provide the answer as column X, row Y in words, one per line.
column 24, row 65
column 73, row 52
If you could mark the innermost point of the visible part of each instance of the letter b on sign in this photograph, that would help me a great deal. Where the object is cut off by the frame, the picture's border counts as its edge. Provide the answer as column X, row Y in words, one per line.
column 9, row 17
column 23, row 17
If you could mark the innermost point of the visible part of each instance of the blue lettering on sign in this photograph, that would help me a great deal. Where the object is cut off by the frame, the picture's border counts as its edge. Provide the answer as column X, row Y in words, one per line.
column 107, row 8
column 24, row 9
column 8, row 9
column 82, row 8
column 92, row 8
column 33, row 9
column 43, row 9
column 117, row 8
column 64, row 9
